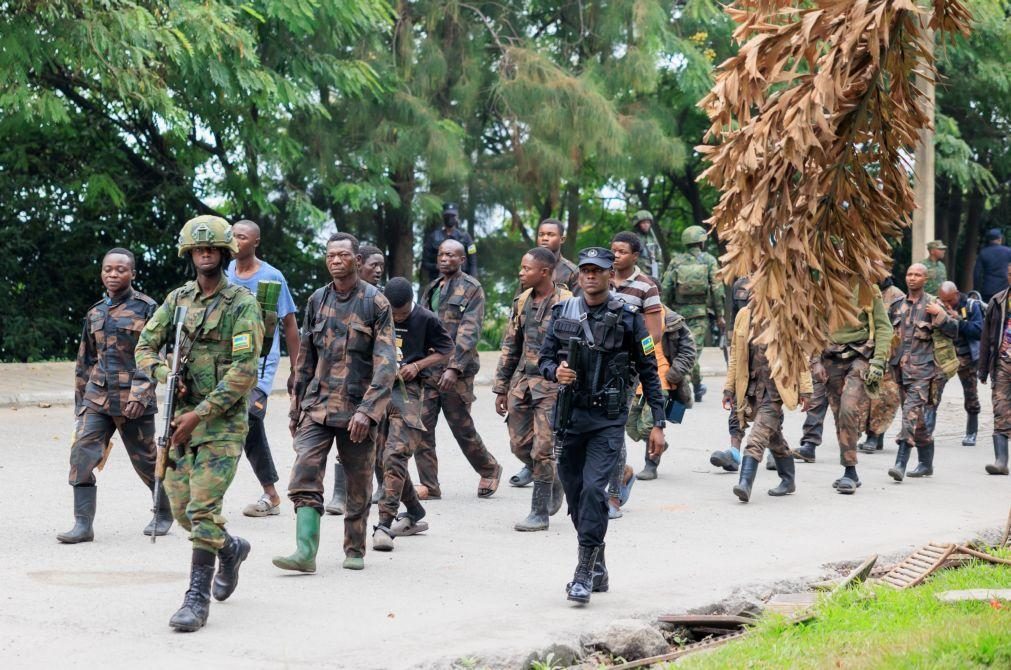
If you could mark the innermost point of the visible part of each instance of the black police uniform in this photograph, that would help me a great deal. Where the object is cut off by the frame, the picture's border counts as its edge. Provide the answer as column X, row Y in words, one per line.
column 430, row 251
column 592, row 446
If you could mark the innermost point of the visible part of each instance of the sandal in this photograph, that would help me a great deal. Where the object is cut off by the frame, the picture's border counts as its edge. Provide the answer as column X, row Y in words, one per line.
column 627, row 480
column 846, row 485
column 488, row 485
column 262, row 507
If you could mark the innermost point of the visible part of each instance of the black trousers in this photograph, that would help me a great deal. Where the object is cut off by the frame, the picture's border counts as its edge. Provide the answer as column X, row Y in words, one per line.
column 257, row 448
column 585, row 465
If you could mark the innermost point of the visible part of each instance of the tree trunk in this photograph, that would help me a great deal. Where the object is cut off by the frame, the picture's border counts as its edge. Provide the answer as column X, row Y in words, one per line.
column 972, row 223
column 398, row 229
column 572, row 225
column 955, row 239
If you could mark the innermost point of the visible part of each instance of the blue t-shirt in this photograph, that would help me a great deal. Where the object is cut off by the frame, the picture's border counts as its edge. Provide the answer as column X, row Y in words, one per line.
column 285, row 306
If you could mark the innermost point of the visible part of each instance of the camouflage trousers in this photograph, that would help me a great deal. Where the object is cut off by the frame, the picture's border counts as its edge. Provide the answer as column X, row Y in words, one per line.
column 814, row 422
column 1002, row 397
column 305, row 488
column 919, row 408
column 196, row 486
column 455, row 405
column 967, row 375
column 766, row 425
column 700, row 329
column 882, row 408
column 395, row 444
column 530, row 433
column 848, row 399
column 92, row 434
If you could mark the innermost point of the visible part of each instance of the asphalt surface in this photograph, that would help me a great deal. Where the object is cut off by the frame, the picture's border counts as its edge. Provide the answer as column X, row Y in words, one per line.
column 470, row 588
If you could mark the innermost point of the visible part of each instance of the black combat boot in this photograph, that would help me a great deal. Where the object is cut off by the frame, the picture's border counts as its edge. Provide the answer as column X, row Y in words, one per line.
column 971, row 428
column 340, row 491
column 600, row 581
column 539, row 503
column 197, row 602
column 925, row 466
column 749, row 468
column 805, row 453
column 898, row 472
column 84, row 515
column 874, row 442
column 557, row 496
column 786, row 469
column 161, row 522
column 1000, row 454
column 581, row 586
column 230, row 557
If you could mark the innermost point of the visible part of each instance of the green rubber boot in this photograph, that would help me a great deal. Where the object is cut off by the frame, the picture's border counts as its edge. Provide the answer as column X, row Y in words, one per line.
column 353, row 563
column 307, row 540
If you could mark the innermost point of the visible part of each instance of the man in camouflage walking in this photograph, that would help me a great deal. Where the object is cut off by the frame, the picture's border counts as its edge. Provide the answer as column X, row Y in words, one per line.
column 113, row 395
column 224, row 332
column 523, row 395
column 690, row 286
column 345, row 370
column 968, row 314
column 458, row 300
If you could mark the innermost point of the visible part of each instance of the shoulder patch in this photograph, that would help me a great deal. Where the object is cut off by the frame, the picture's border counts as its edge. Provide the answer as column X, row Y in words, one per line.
column 242, row 342
column 647, row 345
column 630, row 308
column 472, row 249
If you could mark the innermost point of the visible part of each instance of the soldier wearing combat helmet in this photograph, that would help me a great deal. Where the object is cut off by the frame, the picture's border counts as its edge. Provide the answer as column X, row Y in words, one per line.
column 223, row 332
column 651, row 256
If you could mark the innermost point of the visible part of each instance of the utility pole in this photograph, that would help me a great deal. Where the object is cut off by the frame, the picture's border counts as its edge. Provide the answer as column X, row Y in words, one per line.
column 923, row 175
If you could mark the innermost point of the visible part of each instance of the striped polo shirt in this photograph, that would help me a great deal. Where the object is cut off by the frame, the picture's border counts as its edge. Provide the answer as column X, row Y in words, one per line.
column 639, row 290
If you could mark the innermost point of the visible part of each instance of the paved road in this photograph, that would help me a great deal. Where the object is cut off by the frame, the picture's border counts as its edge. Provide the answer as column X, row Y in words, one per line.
column 471, row 587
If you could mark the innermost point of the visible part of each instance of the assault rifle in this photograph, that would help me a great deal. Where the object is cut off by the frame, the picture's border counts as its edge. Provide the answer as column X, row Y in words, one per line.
column 561, row 420
column 170, row 405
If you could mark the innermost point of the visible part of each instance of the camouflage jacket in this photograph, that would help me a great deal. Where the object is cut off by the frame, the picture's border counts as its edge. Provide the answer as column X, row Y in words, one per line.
column 713, row 302
column 650, row 253
column 913, row 340
column 461, row 310
column 107, row 377
column 937, row 274
column 347, row 361
column 521, row 347
column 566, row 274
column 224, row 333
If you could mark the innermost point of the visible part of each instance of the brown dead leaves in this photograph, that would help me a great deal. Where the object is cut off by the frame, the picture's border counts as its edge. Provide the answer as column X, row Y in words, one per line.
column 813, row 124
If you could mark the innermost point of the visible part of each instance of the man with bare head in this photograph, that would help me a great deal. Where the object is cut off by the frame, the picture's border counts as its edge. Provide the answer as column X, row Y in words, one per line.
column 923, row 357
column 968, row 313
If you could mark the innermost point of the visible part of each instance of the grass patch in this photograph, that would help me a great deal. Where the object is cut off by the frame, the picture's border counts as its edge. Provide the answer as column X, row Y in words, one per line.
column 879, row 627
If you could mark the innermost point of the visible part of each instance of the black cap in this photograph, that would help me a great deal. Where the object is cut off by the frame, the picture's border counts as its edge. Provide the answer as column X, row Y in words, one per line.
column 450, row 208
column 994, row 234
column 599, row 256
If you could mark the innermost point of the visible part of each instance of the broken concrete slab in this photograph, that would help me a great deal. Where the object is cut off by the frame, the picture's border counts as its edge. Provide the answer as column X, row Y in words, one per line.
column 974, row 595
column 630, row 639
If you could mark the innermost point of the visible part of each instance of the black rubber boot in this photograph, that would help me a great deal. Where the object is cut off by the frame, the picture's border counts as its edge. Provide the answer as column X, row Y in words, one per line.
column 805, row 453
column 787, row 481
column 870, row 444
column 749, row 468
column 898, row 472
column 1000, row 454
column 581, row 586
column 648, row 471
column 925, row 466
column 971, row 428
column 724, row 459
column 230, row 558
column 161, row 522
column 340, row 491
column 197, row 602
column 539, row 502
column 600, row 580
column 557, row 496
column 84, row 516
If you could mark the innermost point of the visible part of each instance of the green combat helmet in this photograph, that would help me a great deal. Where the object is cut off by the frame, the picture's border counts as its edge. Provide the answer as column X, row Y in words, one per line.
column 693, row 235
column 640, row 216
column 207, row 231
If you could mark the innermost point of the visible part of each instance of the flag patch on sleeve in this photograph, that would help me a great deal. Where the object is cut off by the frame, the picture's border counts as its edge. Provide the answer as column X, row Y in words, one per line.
column 242, row 343
column 647, row 345
column 472, row 249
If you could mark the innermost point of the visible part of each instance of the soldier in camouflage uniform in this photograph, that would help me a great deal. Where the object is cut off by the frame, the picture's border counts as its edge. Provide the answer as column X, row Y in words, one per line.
column 112, row 394
column 458, row 299
column 922, row 352
column 757, row 398
column 346, row 367
column 883, row 406
column 421, row 342
column 969, row 316
column 551, row 236
column 523, row 395
column 690, row 286
column 224, row 333
column 650, row 258
column 937, row 274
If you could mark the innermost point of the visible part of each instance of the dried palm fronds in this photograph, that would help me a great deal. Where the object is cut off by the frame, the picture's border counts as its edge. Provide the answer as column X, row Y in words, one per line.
column 813, row 124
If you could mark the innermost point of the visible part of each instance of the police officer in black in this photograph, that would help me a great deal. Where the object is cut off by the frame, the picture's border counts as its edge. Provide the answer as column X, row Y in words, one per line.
column 450, row 231
column 612, row 340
